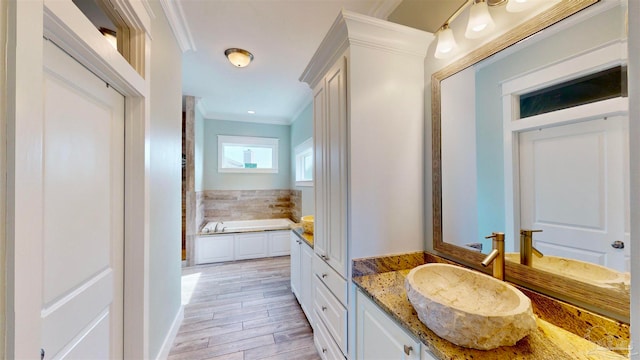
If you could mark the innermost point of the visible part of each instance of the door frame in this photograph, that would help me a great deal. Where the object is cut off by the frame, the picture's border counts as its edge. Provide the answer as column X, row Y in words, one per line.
column 593, row 60
column 63, row 23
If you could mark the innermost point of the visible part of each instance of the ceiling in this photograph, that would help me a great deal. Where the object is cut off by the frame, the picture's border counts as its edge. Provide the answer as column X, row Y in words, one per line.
column 283, row 35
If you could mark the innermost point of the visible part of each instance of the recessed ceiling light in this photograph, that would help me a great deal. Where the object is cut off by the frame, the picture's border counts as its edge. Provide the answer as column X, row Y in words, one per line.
column 251, row 112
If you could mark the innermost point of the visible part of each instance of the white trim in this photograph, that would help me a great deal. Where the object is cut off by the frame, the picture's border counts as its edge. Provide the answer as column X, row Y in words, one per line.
column 61, row 22
column 179, row 24
column 583, row 63
column 171, row 335
column 263, row 142
column 273, row 120
column 24, row 179
column 303, row 149
column 351, row 28
column 65, row 25
column 135, row 13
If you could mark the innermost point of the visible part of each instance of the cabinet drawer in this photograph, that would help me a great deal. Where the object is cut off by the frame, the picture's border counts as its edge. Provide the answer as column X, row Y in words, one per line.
column 336, row 283
column 325, row 345
column 332, row 313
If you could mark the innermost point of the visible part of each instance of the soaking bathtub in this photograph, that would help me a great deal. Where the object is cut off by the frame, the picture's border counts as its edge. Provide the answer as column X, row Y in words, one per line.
column 242, row 239
column 214, row 227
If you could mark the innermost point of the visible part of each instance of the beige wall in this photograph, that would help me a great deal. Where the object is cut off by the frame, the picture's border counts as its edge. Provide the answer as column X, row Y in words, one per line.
column 3, row 185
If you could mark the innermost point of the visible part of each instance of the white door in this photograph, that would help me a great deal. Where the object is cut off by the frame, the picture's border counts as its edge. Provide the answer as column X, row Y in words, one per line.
column 83, row 175
column 574, row 186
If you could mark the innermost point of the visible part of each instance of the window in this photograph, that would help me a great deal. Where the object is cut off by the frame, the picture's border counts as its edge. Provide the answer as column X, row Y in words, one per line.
column 602, row 85
column 304, row 163
column 245, row 154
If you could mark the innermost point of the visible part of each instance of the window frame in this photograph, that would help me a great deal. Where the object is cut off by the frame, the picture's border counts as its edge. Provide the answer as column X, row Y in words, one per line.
column 272, row 143
column 301, row 152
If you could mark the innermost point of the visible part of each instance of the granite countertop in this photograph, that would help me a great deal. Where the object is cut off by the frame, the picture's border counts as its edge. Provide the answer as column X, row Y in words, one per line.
column 307, row 238
column 548, row 342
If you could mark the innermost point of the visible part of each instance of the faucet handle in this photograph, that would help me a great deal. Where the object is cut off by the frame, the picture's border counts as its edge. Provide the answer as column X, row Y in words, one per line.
column 499, row 236
column 524, row 232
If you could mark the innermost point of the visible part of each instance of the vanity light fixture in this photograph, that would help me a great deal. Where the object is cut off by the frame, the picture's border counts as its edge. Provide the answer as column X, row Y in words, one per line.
column 479, row 24
column 446, row 42
column 238, row 57
column 251, row 112
column 480, row 21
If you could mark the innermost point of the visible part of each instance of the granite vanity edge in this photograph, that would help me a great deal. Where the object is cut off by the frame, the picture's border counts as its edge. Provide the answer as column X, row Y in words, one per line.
column 307, row 238
column 443, row 349
column 598, row 328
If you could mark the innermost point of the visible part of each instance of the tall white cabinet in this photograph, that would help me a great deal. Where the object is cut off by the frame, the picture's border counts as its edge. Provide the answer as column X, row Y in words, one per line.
column 368, row 81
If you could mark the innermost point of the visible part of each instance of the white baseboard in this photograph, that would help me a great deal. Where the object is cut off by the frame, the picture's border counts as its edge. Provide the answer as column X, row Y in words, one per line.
column 163, row 354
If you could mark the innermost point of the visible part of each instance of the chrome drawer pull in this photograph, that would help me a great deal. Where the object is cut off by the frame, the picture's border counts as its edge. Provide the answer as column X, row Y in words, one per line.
column 324, row 276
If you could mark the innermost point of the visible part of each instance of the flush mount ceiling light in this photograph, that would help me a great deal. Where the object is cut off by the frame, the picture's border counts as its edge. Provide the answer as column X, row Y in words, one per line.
column 238, row 57
column 480, row 21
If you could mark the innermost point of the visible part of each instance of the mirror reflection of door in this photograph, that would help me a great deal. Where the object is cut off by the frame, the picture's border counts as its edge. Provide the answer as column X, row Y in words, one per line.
column 573, row 186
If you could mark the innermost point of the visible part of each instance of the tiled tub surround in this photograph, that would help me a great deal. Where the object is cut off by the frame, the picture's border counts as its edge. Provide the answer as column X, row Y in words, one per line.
column 562, row 328
column 227, row 205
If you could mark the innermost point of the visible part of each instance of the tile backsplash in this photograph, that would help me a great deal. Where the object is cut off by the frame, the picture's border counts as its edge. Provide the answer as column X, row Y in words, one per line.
column 226, row 205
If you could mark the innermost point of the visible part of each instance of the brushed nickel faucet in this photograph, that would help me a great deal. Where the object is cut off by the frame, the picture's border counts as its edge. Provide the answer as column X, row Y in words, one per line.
column 527, row 250
column 496, row 256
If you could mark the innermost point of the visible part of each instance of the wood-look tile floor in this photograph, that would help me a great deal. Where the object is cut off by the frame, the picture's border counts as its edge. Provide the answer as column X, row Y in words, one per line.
column 242, row 310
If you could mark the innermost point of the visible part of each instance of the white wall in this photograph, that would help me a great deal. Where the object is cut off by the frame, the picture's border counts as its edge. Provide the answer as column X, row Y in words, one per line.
column 165, row 182
column 3, row 185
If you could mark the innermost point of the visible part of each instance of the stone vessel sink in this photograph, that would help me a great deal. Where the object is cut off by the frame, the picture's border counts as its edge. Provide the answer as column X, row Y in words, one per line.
column 469, row 308
column 578, row 270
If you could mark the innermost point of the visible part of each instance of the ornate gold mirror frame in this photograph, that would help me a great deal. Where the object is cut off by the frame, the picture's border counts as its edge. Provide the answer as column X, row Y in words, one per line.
column 609, row 302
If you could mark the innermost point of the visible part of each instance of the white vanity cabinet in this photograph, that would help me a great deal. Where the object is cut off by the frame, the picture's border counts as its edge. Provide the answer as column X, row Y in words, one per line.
column 379, row 337
column 302, row 275
column 367, row 78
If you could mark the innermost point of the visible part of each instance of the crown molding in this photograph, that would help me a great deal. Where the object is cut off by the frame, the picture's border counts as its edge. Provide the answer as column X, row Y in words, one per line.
column 248, row 118
column 352, row 29
column 178, row 22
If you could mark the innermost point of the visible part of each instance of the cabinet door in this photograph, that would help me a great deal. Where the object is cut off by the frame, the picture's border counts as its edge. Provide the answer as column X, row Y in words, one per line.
column 320, row 172
column 211, row 249
column 295, row 265
column 251, row 246
column 336, row 162
column 380, row 338
column 279, row 243
column 306, row 281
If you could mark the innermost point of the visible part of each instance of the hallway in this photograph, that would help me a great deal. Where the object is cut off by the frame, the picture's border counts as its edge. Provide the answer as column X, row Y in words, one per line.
column 242, row 311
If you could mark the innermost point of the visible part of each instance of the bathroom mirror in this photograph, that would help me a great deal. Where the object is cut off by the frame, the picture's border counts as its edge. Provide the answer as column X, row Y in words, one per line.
column 486, row 163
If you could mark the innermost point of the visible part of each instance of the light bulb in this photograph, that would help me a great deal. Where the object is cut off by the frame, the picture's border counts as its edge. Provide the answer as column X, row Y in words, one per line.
column 480, row 21
column 446, row 43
